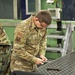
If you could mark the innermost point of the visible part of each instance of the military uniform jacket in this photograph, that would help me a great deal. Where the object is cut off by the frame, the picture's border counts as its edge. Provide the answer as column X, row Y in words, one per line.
column 29, row 41
column 5, row 52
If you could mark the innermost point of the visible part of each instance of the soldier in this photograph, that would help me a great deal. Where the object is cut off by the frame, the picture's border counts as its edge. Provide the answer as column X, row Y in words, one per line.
column 5, row 52
column 29, row 42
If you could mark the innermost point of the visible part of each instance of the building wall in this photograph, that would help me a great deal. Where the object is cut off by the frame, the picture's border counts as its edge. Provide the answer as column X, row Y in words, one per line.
column 9, row 25
column 6, row 9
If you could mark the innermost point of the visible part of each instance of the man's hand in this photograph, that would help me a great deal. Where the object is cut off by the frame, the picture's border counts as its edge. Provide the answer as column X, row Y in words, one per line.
column 43, row 58
column 39, row 61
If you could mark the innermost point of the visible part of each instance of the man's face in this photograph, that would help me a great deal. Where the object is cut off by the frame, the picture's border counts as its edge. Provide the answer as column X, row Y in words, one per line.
column 39, row 24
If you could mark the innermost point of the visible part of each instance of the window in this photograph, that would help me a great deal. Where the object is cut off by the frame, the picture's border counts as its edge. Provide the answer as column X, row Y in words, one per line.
column 55, row 12
column 31, row 6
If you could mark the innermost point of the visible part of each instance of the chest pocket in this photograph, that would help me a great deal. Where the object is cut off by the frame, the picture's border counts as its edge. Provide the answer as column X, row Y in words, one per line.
column 33, row 39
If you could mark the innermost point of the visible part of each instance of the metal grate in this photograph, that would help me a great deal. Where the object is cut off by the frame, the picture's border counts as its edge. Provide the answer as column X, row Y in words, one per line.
column 62, row 66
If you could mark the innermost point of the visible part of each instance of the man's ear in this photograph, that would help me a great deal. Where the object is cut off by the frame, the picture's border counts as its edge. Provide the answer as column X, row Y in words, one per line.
column 36, row 19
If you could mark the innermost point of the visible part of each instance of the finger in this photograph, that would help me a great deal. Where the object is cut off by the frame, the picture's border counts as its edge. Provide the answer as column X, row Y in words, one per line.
column 45, row 59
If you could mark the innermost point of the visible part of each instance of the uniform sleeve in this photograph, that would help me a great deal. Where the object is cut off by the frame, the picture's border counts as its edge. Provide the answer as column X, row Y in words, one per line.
column 21, row 33
column 4, row 40
column 43, row 45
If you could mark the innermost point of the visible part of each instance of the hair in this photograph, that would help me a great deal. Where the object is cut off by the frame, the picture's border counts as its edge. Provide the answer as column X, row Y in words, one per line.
column 44, row 16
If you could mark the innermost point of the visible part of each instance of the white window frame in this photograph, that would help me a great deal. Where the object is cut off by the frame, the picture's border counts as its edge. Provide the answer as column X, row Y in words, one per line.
column 37, row 7
column 56, row 13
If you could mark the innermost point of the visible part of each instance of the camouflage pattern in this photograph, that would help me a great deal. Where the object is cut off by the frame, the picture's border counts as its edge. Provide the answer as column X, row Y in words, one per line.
column 5, row 52
column 29, row 41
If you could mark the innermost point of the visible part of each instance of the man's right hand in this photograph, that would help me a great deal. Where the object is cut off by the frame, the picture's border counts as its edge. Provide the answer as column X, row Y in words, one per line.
column 39, row 61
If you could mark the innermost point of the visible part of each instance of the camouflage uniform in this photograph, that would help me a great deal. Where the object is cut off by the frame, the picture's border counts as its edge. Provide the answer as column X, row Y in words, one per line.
column 29, row 41
column 5, row 52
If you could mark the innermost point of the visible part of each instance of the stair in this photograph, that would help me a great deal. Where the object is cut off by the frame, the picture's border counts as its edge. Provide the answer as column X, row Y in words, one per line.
column 55, row 36
column 54, row 49
column 58, row 35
